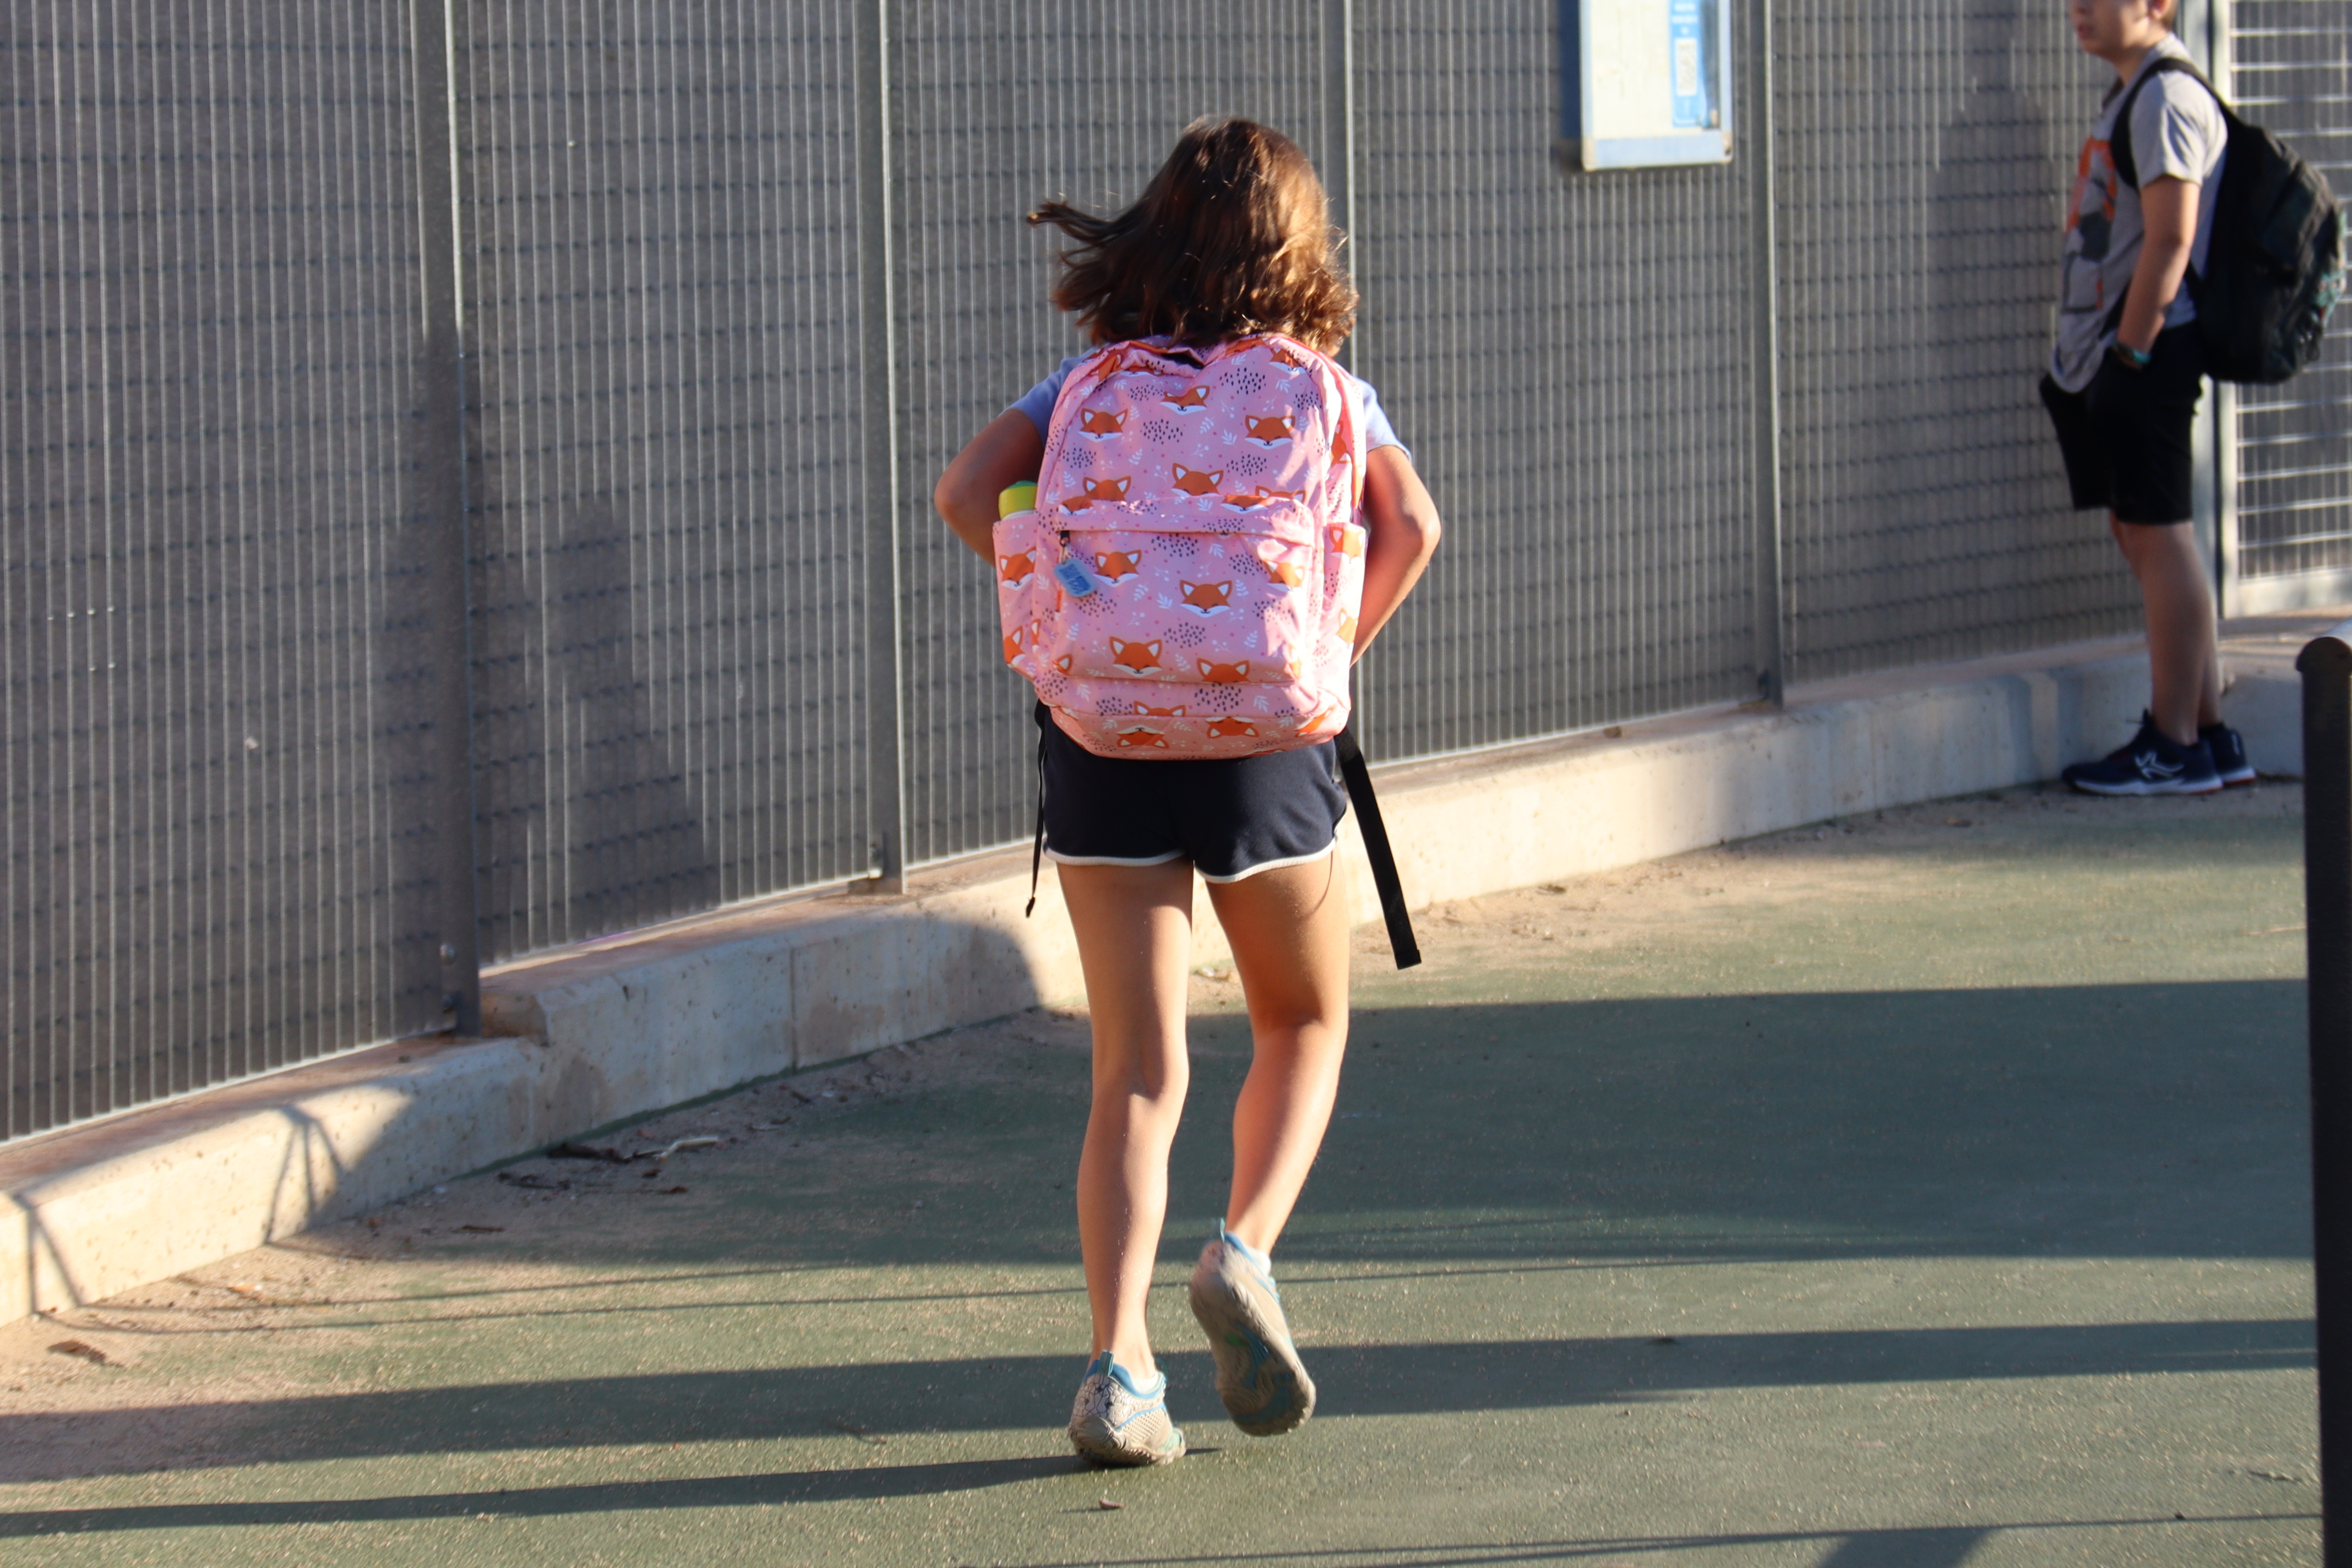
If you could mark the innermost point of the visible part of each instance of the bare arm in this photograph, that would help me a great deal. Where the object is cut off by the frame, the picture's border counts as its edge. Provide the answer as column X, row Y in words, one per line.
column 1006, row 451
column 2168, row 208
column 1405, row 533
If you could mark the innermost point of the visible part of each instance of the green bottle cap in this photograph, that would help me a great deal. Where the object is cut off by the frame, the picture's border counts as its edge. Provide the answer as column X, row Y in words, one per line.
column 1022, row 497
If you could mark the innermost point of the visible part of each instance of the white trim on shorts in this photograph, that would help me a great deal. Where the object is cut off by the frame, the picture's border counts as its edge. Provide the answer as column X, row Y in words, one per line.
column 1275, row 864
column 1061, row 859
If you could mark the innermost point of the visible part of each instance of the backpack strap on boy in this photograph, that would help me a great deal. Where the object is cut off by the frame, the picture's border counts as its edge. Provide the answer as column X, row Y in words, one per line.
column 2119, row 151
column 2119, row 147
column 1358, row 777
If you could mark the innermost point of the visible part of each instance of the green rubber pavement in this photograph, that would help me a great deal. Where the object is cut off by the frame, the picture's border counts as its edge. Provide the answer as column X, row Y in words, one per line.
column 1923, row 1190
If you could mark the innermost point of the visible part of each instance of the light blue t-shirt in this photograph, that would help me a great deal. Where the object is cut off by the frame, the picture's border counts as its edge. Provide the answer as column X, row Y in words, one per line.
column 1038, row 404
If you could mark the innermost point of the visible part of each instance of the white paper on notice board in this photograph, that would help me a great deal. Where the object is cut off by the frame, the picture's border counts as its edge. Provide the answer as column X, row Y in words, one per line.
column 1645, row 82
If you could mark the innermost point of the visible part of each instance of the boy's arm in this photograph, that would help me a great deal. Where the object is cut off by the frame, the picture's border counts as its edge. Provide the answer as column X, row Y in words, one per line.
column 1006, row 451
column 2167, row 207
column 1402, row 521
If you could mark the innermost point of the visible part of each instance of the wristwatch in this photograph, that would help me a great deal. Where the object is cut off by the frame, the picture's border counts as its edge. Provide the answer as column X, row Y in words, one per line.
column 2130, row 357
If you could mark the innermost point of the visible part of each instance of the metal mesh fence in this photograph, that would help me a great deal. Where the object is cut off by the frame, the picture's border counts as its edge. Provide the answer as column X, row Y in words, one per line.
column 2292, row 71
column 229, row 640
column 1569, row 360
column 996, row 108
column 208, row 217
column 1922, row 152
column 669, row 605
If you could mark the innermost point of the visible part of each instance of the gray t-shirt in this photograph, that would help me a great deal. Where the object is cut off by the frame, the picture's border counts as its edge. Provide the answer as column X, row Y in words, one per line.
column 2177, row 130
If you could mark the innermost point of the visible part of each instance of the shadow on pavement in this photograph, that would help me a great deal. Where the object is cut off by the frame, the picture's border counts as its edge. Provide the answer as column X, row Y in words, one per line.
column 1025, row 1391
column 1919, row 1547
column 2162, row 1121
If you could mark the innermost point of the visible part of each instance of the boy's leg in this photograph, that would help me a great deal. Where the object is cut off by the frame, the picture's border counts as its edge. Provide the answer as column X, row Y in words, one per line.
column 1134, row 926
column 1289, row 928
column 2184, row 667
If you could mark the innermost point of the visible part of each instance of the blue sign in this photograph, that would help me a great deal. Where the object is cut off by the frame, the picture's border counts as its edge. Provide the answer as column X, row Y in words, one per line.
column 1685, row 62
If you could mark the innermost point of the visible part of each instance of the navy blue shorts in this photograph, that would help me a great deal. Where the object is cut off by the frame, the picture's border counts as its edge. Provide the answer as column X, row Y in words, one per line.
column 1229, row 817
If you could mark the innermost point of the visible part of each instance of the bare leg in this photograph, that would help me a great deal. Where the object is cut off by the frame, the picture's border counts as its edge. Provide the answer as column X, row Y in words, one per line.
column 2185, row 667
column 1289, row 928
column 1134, row 926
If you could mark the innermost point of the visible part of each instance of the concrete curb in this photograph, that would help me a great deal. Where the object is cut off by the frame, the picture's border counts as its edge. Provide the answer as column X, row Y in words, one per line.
column 627, row 1025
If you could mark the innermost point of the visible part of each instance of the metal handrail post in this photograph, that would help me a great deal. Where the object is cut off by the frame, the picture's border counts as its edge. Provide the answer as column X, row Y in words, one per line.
column 886, row 676
column 2325, row 665
column 444, row 625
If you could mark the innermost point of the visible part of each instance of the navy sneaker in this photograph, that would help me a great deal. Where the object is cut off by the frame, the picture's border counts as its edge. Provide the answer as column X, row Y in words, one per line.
column 2152, row 763
column 2229, row 749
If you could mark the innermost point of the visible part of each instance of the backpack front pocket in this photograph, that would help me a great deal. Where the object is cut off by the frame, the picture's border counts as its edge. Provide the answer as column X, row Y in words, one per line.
column 1221, row 607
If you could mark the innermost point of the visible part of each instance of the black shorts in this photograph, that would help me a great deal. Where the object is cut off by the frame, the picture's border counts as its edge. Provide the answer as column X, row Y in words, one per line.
column 2125, row 437
column 1228, row 815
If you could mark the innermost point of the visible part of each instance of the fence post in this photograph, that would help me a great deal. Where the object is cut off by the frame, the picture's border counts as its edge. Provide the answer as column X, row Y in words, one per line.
column 877, row 311
column 1764, row 291
column 1339, row 134
column 441, row 500
column 2326, row 668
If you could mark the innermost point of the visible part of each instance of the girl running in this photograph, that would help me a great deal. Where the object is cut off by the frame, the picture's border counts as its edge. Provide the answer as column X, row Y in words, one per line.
column 1225, row 269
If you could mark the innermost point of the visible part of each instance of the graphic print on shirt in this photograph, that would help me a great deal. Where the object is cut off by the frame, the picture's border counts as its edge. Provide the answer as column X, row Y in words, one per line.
column 2090, row 226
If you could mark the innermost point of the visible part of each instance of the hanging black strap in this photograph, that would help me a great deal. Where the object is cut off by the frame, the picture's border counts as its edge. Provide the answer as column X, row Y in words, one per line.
column 1037, row 850
column 1359, row 778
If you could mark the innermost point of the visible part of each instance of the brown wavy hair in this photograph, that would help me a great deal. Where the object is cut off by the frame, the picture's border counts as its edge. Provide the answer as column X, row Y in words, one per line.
column 1233, row 236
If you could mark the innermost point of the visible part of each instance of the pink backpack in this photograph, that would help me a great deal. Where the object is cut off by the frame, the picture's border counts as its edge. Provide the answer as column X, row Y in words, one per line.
column 1189, row 581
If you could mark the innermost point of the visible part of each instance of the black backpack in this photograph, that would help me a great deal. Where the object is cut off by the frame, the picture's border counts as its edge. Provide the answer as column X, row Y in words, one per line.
column 2274, row 263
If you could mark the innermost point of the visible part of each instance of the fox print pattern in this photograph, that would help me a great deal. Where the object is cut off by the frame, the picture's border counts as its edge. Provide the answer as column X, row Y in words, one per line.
column 1093, row 490
column 1136, row 656
column 1279, row 568
column 1188, row 578
column 1207, row 598
column 1269, row 430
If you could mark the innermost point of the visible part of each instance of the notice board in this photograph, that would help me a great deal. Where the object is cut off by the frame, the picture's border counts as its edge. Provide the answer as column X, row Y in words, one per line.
column 1643, row 83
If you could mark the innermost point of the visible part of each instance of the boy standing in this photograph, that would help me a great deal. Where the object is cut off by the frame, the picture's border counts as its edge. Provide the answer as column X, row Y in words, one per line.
column 2125, row 374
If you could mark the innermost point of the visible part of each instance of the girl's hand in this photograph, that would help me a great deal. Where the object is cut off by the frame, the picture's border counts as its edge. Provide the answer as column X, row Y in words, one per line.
column 1007, row 450
column 1405, row 534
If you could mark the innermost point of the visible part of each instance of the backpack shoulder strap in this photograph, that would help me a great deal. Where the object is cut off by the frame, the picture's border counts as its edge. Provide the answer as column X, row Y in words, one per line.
column 2119, row 145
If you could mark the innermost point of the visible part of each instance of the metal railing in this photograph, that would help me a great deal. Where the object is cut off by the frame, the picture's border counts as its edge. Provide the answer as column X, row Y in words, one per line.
column 2290, row 68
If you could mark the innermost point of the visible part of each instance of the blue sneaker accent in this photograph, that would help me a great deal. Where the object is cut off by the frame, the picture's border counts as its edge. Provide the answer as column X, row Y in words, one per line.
column 1117, row 1420
column 1249, row 1255
column 1104, row 1366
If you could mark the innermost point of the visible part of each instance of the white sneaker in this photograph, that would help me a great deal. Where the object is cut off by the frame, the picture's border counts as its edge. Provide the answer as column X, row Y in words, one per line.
column 1117, row 1422
column 1264, row 1385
